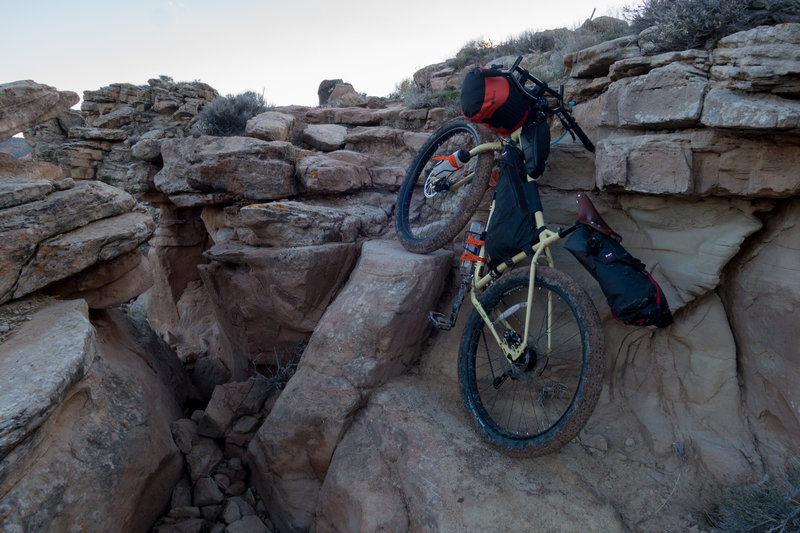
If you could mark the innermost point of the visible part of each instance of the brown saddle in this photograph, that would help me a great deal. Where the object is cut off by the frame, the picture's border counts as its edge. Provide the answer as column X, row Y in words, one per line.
column 587, row 214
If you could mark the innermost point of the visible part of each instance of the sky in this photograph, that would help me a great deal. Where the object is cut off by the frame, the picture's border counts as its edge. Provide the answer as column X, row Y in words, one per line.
column 282, row 49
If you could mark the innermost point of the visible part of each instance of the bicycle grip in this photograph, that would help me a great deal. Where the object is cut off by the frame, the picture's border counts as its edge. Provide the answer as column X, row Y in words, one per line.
column 582, row 136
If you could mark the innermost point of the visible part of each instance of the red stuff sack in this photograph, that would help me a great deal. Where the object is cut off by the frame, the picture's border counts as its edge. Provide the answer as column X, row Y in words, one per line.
column 493, row 101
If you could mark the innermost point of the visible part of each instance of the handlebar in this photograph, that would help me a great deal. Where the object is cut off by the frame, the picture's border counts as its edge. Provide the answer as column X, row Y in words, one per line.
column 539, row 97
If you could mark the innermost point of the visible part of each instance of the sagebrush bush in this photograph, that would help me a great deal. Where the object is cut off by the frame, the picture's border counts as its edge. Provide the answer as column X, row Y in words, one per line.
column 686, row 24
column 228, row 115
column 770, row 506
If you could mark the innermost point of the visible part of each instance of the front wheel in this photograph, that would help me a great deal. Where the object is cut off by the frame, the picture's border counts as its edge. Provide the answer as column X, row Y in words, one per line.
column 432, row 209
column 539, row 403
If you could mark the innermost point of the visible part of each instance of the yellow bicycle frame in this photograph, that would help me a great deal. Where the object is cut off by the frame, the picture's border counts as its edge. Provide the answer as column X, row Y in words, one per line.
column 481, row 280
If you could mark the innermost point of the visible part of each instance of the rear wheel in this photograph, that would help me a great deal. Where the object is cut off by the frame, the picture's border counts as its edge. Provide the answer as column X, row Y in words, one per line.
column 535, row 405
column 432, row 210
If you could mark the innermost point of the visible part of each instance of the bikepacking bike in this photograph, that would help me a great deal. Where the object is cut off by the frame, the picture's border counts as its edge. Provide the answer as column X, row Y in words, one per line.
column 531, row 359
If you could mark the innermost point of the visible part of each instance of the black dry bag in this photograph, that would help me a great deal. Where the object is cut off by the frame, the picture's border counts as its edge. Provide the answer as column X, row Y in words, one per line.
column 632, row 294
column 512, row 228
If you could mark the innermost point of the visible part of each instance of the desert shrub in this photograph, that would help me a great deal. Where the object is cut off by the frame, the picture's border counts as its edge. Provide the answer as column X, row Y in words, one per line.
column 770, row 506
column 277, row 375
column 685, row 24
column 228, row 115
column 415, row 97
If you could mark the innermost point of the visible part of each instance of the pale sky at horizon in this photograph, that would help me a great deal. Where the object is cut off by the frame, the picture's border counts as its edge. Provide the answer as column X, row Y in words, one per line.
column 283, row 49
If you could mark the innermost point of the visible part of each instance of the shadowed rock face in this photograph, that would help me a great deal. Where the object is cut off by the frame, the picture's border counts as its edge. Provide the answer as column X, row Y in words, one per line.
column 284, row 237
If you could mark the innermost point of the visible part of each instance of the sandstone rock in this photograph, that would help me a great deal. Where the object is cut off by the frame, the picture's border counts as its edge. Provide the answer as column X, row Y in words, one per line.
column 203, row 458
column 569, row 167
column 206, row 492
column 728, row 109
column 21, row 190
column 410, row 462
column 653, row 164
column 339, row 368
column 335, row 172
column 344, row 95
column 703, row 162
column 270, row 126
column 686, row 243
column 39, row 369
column 35, row 170
column 596, row 60
column 355, row 116
column 240, row 166
column 682, row 385
column 77, row 211
column 293, row 287
column 641, row 65
column 105, row 444
column 230, row 402
column 69, row 253
column 325, row 137
column 762, row 59
column 291, row 223
column 665, row 98
column 110, row 283
column 762, row 295
column 24, row 104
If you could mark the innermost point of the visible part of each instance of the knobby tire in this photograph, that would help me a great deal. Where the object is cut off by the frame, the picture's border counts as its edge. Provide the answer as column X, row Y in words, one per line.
column 533, row 407
column 427, row 224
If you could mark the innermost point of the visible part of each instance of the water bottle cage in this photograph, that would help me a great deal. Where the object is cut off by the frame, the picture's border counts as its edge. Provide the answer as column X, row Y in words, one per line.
column 468, row 255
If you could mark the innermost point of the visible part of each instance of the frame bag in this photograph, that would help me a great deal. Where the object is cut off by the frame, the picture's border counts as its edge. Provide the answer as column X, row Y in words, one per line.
column 493, row 101
column 511, row 227
column 632, row 294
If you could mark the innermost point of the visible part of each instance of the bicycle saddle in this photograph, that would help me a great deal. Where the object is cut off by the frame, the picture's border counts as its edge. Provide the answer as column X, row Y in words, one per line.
column 587, row 214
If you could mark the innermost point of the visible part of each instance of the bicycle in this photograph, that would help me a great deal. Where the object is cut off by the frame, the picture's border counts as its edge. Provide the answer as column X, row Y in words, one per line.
column 531, row 358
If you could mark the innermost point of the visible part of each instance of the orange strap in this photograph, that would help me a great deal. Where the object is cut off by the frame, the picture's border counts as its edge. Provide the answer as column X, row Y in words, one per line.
column 469, row 256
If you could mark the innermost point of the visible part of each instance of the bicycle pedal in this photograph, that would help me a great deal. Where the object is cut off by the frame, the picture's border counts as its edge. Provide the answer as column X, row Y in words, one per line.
column 440, row 321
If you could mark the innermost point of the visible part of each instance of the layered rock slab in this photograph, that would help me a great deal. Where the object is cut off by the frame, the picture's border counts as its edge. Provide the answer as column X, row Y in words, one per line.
column 96, row 447
column 370, row 333
column 411, row 462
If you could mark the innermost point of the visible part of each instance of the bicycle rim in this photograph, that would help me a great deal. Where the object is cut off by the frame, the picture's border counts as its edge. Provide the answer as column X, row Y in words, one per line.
column 433, row 210
column 540, row 403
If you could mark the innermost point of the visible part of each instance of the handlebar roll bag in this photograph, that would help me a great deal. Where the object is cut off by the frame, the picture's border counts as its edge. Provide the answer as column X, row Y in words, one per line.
column 631, row 292
column 493, row 101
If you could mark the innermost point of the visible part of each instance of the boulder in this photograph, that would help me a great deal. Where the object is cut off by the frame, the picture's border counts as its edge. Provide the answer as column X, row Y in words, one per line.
column 293, row 223
column 267, row 300
column 24, row 104
column 90, row 415
column 336, row 172
column 69, row 253
column 380, row 305
column 344, row 95
column 231, row 166
column 270, row 126
column 665, row 98
column 77, row 227
column 325, row 137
